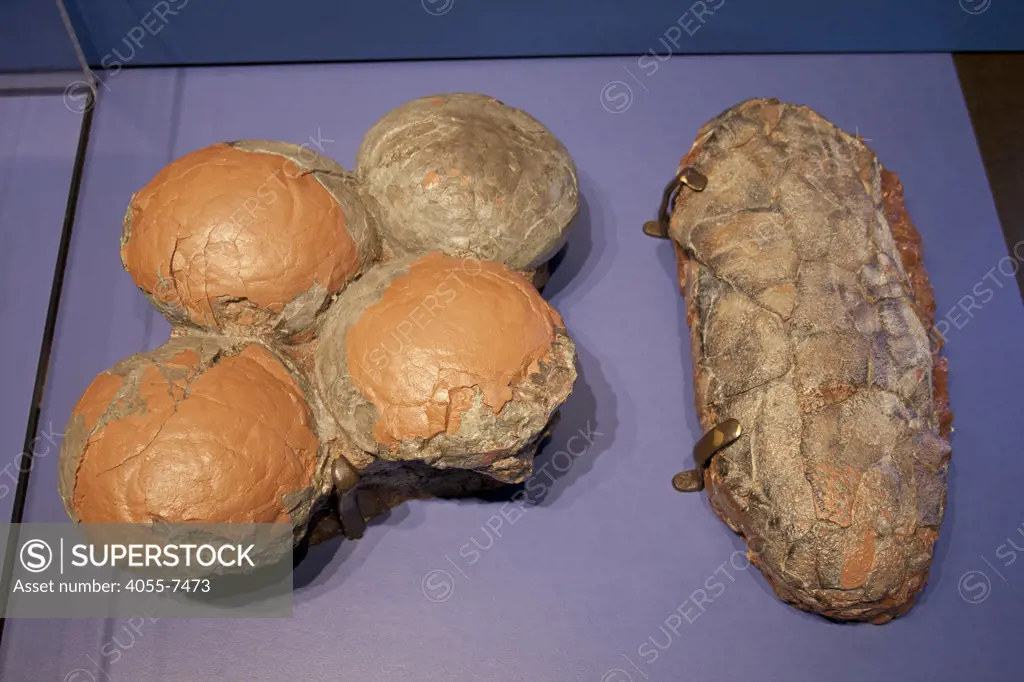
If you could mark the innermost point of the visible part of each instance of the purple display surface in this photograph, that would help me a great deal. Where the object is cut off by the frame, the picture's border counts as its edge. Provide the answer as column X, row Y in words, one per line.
column 584, row 584
column 38, row 137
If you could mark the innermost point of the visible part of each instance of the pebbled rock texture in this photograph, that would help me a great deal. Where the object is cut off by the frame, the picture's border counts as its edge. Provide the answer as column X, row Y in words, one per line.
column 810, row 319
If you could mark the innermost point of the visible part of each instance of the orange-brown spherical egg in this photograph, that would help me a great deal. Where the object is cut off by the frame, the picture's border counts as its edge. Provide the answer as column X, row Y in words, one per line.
column 248, row 233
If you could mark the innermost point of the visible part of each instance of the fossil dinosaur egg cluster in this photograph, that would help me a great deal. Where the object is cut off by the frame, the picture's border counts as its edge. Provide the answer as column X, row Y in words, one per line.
column 383, row 324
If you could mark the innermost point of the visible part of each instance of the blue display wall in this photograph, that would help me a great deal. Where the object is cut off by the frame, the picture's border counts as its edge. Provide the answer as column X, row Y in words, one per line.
column 118, row 33
column 33, row 37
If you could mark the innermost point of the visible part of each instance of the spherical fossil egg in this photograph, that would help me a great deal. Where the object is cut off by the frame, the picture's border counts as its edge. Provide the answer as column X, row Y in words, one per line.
column 456, row 363
column 470, row 176
column 196, row 431
column 248, row 235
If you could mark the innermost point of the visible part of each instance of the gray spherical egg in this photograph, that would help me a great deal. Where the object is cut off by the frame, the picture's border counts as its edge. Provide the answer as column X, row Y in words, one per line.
column 470, row 176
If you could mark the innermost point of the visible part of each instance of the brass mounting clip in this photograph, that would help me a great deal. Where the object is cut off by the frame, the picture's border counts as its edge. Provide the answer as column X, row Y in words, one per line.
column 692, row 480
column 688, row 176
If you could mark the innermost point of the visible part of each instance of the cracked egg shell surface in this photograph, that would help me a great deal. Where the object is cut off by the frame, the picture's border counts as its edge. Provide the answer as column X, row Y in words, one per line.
column 468, row 175
column 195, row 431
column 248, row 233
column 459, row 363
